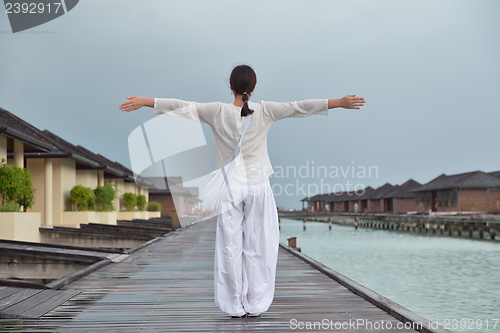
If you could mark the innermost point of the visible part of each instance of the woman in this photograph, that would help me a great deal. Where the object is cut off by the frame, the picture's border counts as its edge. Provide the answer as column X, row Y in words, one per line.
column 247, row 237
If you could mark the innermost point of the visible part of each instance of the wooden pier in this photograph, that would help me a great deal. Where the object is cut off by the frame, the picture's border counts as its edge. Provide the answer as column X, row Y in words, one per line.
column 167, row 286
column 457, row 226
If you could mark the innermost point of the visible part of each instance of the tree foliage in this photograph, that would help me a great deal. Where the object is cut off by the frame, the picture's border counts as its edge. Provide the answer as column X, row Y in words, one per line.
column 129, row 200
column 154, row 206
column 82, row 198
column 16, row 185
column 141, row 202
column 104, row 196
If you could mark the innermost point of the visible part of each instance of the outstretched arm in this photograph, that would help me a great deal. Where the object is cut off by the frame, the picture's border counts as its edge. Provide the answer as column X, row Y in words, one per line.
column 136, row 102
column 346, row 102
column 277, row 111
column 204, row 112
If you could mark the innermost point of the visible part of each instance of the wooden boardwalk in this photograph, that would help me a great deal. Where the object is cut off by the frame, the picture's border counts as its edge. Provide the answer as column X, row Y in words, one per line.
column 168, row 287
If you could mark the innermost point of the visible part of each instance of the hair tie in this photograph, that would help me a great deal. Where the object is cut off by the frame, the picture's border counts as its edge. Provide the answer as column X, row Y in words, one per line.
column 250, row 105
column 245, row 93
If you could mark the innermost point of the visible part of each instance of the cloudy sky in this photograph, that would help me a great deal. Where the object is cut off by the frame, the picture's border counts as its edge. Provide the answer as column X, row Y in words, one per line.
column 430, row 73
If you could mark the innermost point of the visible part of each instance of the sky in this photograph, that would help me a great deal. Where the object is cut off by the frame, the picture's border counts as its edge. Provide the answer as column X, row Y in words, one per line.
column 429, row 71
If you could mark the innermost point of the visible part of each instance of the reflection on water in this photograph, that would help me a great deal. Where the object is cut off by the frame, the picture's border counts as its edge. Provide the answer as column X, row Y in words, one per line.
column 436, row 277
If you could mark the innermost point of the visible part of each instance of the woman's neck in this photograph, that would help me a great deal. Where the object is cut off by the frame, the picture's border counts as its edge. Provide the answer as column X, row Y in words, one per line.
column 238, row 100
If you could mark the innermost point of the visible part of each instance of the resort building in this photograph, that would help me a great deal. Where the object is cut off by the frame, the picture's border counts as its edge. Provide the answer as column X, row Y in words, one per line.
column 375, row 202
column 401, row 199
column 461, row 193
column 55, row 167
column 175, row 198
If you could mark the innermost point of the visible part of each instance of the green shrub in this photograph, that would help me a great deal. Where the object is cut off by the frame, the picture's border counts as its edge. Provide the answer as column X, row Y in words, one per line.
column 154, row 206
column 82, row 198
column 10, row 207
column 141, row 202
column 104, row 196
column 16, row 186
column 129, row 200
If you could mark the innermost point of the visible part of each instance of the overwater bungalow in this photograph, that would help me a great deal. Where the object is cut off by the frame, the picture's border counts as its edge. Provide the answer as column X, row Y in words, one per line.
column 461, row 193
column 375, row 201
column 363, row 199
column 400, row 200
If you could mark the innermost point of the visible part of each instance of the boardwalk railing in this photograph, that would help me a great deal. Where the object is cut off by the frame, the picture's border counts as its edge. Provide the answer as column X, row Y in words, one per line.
column 450, row 225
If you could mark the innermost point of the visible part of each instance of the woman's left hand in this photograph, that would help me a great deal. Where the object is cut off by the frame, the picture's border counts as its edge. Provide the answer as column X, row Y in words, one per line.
column 352, row 102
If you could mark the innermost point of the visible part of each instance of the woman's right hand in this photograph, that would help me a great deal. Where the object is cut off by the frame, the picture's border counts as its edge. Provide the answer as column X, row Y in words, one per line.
column 134, row 102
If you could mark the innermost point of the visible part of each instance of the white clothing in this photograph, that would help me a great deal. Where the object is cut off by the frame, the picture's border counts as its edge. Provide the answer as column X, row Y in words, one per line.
column 226, row 122
column 247, row 238
column 246, row 252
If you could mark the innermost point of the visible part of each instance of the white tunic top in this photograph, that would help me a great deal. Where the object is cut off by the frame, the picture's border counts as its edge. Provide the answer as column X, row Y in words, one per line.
column 226, row 123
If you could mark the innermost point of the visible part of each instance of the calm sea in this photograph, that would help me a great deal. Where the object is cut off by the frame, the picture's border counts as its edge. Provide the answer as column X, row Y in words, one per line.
column 444, row 279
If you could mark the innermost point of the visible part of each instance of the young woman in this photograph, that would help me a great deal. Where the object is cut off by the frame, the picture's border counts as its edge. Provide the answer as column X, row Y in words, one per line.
column 247, row 236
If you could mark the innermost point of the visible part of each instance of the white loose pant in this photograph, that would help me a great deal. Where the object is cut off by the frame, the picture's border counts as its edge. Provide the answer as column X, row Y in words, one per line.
column 246, row 252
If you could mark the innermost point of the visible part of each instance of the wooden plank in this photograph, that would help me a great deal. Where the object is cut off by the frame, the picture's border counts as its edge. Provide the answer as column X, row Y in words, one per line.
column 17, row 297
column 7, row 291
column 42, row 308
column 39, row 304
column 26, row 303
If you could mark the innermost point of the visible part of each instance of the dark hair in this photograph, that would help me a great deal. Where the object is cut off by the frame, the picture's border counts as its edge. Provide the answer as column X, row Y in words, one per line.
column 243, row 81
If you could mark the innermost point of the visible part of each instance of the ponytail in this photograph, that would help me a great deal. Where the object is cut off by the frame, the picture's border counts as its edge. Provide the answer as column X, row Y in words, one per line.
column 245, row 110
column 243, row 79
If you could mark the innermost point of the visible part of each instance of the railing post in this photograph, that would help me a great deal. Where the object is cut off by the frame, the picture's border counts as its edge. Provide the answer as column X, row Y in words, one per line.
column 292, row 242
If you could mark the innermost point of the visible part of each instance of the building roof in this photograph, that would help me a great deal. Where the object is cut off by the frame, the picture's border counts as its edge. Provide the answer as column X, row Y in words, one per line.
column 170, row 185
column 14, row 127
column 381, row 191
column 340, row 196
column 67, row 147
column 318, row 197
column 104, row 162
column 494, row 173
column 404, row 190
column 475, row 179
column 366, row 194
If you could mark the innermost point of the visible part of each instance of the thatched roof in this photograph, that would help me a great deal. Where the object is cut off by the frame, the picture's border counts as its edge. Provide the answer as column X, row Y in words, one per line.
column 404, row 190
column 381, row 191
column 475, row 179
column 368, row 192
column 495, row 173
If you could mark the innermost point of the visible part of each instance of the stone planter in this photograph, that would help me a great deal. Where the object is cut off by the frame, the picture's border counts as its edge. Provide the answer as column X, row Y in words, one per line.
column 108, row 218
column 76, row 218
column 154, row 214
column 129, row 215
column 20, row 226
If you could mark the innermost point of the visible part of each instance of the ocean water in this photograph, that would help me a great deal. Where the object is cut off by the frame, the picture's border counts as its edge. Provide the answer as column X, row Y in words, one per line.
column 453, row 281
